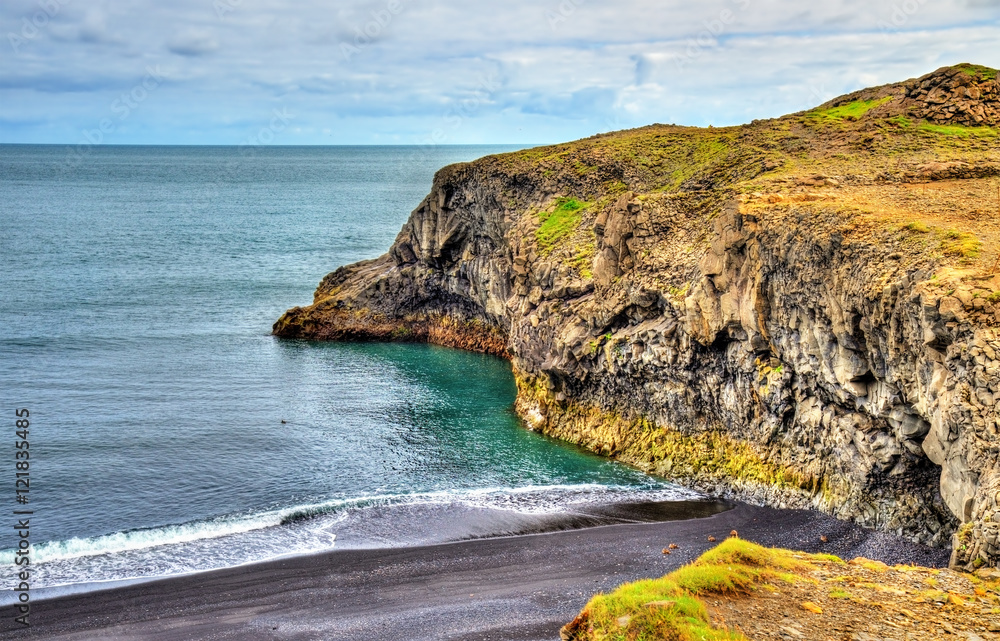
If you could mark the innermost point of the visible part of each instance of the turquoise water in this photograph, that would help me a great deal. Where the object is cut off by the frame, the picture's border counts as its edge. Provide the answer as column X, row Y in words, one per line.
column 170, row 432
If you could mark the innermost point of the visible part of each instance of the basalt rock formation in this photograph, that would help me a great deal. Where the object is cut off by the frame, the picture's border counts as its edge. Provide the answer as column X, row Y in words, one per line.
column 799, row 312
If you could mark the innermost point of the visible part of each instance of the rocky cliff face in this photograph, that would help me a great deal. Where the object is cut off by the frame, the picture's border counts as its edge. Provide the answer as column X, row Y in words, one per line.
column 798, row 312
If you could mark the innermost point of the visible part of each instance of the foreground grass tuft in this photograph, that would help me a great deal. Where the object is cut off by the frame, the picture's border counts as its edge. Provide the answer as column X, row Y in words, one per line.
column 961, row 244
column 918, row 227
column 669, row 608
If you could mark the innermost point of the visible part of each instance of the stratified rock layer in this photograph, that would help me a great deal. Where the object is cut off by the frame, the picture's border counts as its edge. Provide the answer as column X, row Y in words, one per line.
column 782, row 312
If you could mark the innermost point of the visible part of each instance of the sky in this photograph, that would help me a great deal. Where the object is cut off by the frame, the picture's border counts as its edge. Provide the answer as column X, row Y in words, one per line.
column 238, row 72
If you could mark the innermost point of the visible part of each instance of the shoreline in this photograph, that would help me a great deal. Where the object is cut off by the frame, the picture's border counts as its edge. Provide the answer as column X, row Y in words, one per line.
column 392, row 520
column 522, row 588
column 417, row 519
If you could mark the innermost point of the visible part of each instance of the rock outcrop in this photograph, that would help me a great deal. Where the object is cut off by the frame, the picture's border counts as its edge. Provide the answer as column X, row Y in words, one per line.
column 967, row 95
column 782, row 312
column 964, row 95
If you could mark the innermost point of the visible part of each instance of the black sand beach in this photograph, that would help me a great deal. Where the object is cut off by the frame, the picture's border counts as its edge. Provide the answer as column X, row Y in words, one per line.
column 521, row 588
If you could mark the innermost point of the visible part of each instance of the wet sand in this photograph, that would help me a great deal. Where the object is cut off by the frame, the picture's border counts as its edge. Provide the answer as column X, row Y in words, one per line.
column 520, row 588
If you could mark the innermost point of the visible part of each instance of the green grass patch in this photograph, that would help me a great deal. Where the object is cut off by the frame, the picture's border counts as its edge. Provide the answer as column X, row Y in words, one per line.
column 559, row 223
column 900, row 121
column 961, row 244
column 615, row 188
column 669, row 608
column 697, row 156
column 959, row 131
column 665, row 157
column 851, row 111
column 679, row 293
column 583, row 259
column 734, row 552
column 964, row 536
column 986, row 73
column 917, row 227
column 951, row 242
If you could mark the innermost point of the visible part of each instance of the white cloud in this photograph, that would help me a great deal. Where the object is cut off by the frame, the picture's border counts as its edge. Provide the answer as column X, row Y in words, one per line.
column 418, row 67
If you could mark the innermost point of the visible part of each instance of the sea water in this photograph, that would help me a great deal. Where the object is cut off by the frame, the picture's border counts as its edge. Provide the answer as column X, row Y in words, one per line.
column 171, row 433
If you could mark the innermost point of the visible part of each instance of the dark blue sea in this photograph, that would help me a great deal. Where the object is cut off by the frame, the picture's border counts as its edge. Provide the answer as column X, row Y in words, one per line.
column 171, row 433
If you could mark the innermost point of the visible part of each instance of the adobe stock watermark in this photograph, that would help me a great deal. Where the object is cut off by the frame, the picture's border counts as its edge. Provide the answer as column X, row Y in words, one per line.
column 225, row 7
column 32, row 26
column 819, row 94
column 454, row 117
column 900, row 16
column 122, row 107
column 367, row 34
column 562, row 12
column 233, row 167
column 265, row 135
column 613, row 123
column 458, row 113
column 708, row 37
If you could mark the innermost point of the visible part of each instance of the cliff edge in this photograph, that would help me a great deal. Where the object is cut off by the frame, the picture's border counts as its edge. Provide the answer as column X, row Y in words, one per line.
column 801, row 312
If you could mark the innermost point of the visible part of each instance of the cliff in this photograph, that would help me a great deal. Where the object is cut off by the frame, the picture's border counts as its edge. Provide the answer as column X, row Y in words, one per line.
column 801, row 312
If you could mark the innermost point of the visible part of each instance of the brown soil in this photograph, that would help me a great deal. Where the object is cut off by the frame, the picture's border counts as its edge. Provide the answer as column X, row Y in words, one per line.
column 866, row 601
column 965, row 205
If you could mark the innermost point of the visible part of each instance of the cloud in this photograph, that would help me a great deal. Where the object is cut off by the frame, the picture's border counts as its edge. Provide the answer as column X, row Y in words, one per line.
column 193, row 43
column 94, row 29
column 505, row 74
column 59, row 83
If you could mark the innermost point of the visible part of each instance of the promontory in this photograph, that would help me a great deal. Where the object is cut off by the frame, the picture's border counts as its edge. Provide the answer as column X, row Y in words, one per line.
column 799, row 312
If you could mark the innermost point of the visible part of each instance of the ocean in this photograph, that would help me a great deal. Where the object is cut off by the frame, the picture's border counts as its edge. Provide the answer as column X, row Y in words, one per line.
column 171, row 433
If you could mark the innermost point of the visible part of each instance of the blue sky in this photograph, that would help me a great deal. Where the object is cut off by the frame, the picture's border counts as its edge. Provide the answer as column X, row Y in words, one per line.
column 450, row 71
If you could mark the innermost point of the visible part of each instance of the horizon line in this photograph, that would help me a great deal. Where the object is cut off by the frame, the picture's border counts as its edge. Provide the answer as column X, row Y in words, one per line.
column 156, row 144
